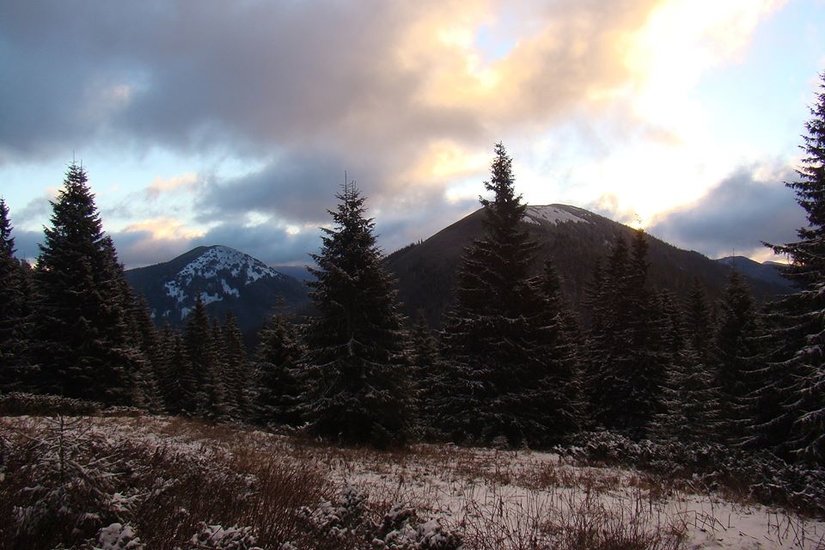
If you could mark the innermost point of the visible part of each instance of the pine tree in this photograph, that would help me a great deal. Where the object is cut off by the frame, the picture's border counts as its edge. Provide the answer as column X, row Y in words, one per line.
column 277, row 378
column 176, row 378
column 689, row 397
column 84, row 349
column 15, row 317
column 426, row 374
column 797, row 365
column 236, row 372
column 734, row 348
column 555, row 388
column 209, row 400
column 356, row 367
column 145, row 333
column 488, row 334
column 625, row 369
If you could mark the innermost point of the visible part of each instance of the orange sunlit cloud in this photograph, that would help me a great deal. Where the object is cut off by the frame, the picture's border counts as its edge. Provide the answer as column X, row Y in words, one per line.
column 160, row 186
column 162, row 229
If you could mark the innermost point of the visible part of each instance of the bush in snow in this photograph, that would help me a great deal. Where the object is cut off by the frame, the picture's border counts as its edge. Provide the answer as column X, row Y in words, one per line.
column 349, row 523
column 18, row 403
column 71, row 483
column 118, row 537
column 754, row 476
column 220, row 538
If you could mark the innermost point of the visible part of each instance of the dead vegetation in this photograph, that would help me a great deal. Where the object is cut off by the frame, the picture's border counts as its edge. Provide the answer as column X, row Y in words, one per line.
column 141, row 482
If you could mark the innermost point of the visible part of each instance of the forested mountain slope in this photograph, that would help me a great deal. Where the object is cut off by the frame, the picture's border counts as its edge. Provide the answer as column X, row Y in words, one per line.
column 575, row 239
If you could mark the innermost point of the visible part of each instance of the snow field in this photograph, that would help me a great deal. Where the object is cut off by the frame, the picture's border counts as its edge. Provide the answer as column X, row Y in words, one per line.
column 492, row 498
column 519, row 499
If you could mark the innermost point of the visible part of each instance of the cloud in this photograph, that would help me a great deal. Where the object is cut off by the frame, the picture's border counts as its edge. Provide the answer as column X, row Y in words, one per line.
column 270, row 242
column 27, row 244
column 160, row 186
column 366, row 76
column 407, row 97
column 750, row 206
column 296, row 187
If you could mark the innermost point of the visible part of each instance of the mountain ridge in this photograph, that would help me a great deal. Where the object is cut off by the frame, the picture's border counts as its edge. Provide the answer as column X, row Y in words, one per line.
column 573, row 238
column 225, row 280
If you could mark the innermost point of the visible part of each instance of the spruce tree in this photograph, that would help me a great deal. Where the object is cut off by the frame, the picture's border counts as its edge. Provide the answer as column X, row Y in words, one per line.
column 235, row 369
column 356, row 366
column 555, row 387
column 176, row 378
column 734, row 349
column 84, row 350
column 146, row 334
column 15, row 317
column 625, row 369
column 689, row 396
column 488, row 332
column 209, row 399
column 797, row 362
column 426, row 374
column 277, row 378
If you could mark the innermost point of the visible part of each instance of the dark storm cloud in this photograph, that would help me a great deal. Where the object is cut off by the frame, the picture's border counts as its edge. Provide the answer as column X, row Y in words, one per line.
column 27, row 243
column 736, row 216
column 195, row 75
column 298, row 188
column 369, row 76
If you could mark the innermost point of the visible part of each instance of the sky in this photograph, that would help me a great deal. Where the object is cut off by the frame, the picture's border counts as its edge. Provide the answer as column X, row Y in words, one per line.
column 206, row 122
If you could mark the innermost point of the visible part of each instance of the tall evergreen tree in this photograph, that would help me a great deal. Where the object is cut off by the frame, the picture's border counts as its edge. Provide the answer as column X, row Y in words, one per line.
column 148, row 339
column 82, row 325
column 176, row 377
column 488, row 332
column 15, row 317
column 798, row 367
column 555, row 388
column 356, row 367
column 689, row 397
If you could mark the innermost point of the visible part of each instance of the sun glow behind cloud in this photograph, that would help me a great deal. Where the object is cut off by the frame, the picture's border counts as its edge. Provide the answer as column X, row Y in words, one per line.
column 672, row 156
column 164, row 229
column 624, row 106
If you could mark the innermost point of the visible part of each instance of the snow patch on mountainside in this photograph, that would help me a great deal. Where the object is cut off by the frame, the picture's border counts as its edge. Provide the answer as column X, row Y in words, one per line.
column 224, row 268
column 553, row 214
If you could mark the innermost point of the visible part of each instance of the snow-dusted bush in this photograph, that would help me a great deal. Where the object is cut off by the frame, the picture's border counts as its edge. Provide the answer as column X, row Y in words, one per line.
column 118, row 537
column 70, row 482
column 349, row 523
column 758, row 476
column 218, row 537
column 18, row 403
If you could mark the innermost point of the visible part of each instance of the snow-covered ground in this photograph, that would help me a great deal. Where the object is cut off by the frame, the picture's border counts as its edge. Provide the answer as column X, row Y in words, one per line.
column 527, row 496
column 493, row 498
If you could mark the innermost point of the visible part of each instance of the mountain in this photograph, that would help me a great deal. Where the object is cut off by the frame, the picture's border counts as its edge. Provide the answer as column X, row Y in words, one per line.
column 575, row 239
column 770, row 272
column 225, row 279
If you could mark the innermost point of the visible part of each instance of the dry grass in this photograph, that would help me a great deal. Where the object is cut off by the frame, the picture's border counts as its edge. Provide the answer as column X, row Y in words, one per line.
column 63, row 479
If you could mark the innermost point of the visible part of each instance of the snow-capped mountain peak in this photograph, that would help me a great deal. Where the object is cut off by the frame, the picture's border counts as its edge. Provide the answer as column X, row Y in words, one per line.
column 215, row 274
column 224, row 279
column 553, row 213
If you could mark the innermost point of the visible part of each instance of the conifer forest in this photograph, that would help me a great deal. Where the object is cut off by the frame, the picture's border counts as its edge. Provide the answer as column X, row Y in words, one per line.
column 512, row 366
